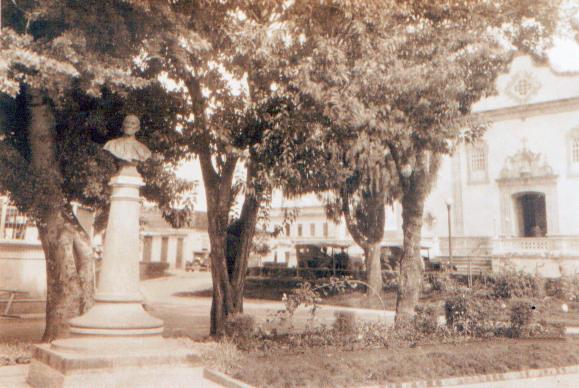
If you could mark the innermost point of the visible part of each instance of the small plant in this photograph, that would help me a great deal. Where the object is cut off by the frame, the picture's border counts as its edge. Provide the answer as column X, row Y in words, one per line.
column 390, row 279
column 309, row 295
column 345, row 323
column 240, row 328
column 564, row 288
column 521, row 317
column 224, row 356
column 441, row 282
column 426, row 319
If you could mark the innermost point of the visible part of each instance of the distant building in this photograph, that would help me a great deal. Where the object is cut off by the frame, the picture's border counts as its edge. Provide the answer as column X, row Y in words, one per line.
column 176, row 246
column 311, row 226
column 22, row 262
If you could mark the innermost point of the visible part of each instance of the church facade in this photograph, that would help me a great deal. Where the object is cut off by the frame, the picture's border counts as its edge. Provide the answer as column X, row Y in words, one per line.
column 514, row 195
column 512, row 198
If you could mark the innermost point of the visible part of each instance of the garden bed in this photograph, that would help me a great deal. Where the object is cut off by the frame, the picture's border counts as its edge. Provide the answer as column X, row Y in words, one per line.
column 328, row 366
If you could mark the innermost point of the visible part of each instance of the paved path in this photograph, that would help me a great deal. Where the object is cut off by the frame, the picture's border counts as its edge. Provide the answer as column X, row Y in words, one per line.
column 560, row 381
column 190, row 315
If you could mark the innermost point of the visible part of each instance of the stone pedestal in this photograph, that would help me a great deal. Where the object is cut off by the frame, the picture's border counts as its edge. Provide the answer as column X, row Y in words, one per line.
column 116, row 343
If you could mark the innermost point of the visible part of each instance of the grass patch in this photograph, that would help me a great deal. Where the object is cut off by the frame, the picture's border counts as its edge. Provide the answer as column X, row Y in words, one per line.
column 328, row 366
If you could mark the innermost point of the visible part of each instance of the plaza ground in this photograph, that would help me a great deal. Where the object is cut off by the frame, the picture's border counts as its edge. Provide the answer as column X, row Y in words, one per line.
column 325, row 366
column 189, row 316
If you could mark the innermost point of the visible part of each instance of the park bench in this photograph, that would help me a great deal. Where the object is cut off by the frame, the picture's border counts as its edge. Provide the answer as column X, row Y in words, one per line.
column 12, row 294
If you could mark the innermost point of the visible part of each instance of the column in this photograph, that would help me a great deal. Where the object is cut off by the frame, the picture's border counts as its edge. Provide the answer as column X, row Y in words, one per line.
column 118, row 302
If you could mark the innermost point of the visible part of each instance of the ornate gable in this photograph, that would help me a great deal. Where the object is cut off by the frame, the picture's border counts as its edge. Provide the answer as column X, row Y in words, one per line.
column 526, row 164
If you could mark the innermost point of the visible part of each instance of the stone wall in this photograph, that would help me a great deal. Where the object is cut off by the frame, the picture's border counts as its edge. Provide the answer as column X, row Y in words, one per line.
column 22, row 267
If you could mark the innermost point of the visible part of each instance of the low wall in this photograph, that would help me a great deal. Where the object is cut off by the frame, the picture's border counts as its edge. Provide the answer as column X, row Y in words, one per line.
column 549, row 267
column 22, row 267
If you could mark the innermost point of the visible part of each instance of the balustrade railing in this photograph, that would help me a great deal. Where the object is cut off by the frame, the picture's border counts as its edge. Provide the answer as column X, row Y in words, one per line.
column 559, row 245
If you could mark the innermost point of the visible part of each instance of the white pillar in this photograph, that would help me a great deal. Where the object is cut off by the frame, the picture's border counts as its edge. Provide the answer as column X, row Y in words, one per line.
column 118, row 302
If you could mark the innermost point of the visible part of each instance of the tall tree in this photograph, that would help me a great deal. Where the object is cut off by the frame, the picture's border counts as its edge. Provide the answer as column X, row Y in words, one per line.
column 359, row 191
column 405, row 74
column 59, row 62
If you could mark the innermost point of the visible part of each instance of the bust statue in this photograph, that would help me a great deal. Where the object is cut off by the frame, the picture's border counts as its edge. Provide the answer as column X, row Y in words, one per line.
column 127, row 148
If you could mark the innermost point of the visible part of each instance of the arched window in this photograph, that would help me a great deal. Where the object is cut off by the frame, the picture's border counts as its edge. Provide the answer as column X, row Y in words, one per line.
column 477, row 155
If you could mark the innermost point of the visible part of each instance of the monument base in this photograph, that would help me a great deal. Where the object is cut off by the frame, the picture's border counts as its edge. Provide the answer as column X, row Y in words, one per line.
column 75, row 362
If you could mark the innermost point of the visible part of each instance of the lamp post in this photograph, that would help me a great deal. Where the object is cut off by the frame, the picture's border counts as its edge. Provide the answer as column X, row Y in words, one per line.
column 448, row 211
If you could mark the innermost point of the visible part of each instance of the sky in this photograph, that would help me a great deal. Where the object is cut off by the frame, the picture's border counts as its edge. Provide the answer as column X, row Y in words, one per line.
column 564, row 56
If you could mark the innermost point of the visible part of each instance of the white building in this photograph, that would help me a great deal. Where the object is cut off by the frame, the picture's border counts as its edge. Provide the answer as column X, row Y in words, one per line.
column 514, row 195
column 22, row 262
column 176, row 246
column 303, row 221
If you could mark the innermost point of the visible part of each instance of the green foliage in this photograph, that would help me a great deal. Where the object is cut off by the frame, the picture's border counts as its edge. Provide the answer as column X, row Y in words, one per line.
column 82, row 57
column 563, row 288
column 426, row 319
column 441, row 282
column 521, row 317
column 305, row 295
column 510, row 284
column 240, row 328
column 345, row 323
column 396, row 85
column 469, row 315
column 390, row 280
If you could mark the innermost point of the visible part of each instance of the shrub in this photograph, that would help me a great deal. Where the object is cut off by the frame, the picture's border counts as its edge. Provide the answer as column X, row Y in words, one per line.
column 240, row 328
column 426, row 319
column 345, row 323
column 469, row 315
column 521, row 317
column 517, row 284
column 441, row 282
column 564, row 288
column 390, row 280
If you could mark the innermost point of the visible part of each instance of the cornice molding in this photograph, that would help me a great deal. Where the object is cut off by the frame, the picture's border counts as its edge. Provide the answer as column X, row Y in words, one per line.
column 526, row 181
column 529, row 110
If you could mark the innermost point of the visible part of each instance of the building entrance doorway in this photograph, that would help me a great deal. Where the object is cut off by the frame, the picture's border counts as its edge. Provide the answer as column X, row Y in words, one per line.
column 531, row 214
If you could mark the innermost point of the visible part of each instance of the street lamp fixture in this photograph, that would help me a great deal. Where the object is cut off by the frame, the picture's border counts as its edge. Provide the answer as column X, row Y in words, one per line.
column 448, row 211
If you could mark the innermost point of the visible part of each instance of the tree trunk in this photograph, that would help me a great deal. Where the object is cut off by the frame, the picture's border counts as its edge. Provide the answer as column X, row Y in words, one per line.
column 248, row 219
column 228, row 275
column 67, row 248
column 373, row 268
column 222, row 303
column 69, row 273
column 370, row 237
column 410, row 263
column 228, row 289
